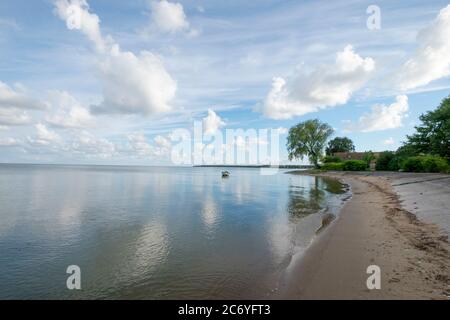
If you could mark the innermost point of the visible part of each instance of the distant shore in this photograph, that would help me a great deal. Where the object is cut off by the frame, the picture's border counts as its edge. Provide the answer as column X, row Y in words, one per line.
column 374, row 228
column 289, row 166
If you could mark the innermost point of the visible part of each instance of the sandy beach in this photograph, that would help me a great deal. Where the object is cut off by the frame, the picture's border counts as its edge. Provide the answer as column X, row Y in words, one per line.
column 374, row 228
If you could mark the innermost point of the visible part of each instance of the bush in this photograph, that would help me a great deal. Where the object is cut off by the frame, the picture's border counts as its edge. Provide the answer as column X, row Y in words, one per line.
column 329, row 159
column 435, row 164
column 412, row 164
column 354, row 165
column 396, row 163
column 383, row 161
column 425, row 164
column 334, row 166
column 368, row 157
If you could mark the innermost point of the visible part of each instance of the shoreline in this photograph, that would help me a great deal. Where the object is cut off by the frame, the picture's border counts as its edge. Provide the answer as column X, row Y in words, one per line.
column 373, row 228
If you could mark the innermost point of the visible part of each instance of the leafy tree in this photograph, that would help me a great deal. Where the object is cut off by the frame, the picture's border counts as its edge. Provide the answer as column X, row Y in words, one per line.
column 308, row 139
column 433, row 135
column 340, row 144
column 384, row 160
column 368, row 157
column 331, row 159
column 405, row 151
column 425, row 164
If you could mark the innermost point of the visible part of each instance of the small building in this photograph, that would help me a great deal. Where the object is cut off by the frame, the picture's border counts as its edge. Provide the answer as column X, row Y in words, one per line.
column 357, row 156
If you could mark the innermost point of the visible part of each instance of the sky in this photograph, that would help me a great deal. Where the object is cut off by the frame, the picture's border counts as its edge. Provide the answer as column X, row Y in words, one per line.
column 112, row 82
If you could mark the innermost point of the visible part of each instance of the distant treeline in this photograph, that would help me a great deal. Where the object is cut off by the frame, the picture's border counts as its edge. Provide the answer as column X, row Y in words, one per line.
column 289, row 166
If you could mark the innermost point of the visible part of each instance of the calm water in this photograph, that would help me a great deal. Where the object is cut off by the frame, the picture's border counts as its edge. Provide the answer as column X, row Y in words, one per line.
column 156, row 233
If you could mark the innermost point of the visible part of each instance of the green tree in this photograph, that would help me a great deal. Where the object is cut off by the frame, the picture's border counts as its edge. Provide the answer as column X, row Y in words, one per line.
column 340, row 144
column 308, row 139
column 368, row 157
column 384, row 160
column 433, row 135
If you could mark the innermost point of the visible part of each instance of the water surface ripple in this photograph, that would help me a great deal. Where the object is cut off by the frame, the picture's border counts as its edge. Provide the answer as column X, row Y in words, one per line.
column 153, row 232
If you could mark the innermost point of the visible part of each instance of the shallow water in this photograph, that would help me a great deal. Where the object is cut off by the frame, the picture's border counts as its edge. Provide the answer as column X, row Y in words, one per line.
column 154, row 232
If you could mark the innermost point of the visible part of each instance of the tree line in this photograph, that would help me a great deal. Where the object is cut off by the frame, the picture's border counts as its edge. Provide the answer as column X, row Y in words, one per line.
column 427, row 150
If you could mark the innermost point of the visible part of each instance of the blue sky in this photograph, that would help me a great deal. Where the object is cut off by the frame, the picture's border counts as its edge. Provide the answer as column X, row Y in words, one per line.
column 112, row 89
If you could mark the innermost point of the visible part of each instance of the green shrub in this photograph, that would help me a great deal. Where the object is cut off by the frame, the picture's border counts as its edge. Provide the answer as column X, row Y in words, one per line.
column 396, row 163
column 334, row 166
column 425, row 164
column 383, row 161
column 368, row 157
column 329, row 159
column 354, row 165
column 412, row 164
column 434, row 164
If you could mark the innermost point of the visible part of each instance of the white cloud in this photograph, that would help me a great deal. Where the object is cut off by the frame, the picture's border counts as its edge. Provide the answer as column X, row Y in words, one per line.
column 382, row 117
column 326, row 86
column 283, row 130
column 139, row 144
column 163, row 146
column 169, row 17
column 8, row 142
column 135, row 84
column 13, row 101
column 77, row 16
column 44, row 136
column 132, row 84
column 89, row 145
column 212, row 123
column 162, row 142
column 389, row 141
column 14, row 117
column 431, row 61
column 69, row 113
column 80, row 143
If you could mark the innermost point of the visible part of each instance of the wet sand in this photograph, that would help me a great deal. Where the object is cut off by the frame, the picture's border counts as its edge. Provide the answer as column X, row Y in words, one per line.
column 373, row 229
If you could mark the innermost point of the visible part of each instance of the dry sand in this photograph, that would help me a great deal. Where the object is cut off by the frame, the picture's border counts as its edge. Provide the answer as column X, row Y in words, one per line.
column 372, row 229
